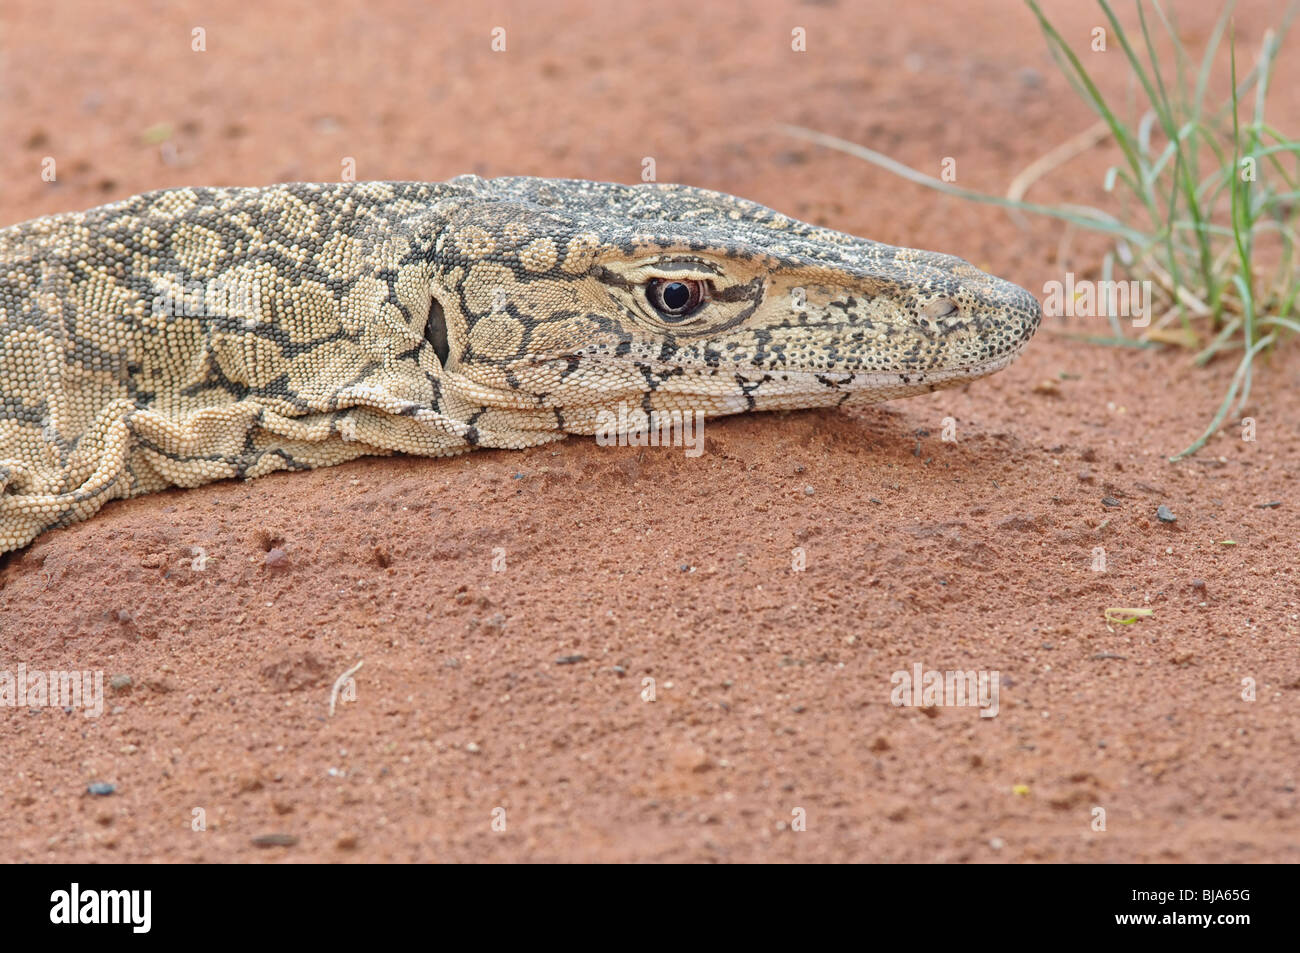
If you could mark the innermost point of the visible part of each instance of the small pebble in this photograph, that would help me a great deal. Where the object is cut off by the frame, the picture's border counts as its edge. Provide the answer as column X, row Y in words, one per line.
column 274, row 840
column 1165, row 515
column 101, row 788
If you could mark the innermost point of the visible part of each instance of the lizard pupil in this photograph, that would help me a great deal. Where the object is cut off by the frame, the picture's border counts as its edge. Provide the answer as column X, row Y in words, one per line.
column 675, row 299
column 676, row 296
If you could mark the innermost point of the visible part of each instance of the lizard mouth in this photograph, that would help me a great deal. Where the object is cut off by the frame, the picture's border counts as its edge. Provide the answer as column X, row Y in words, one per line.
column 793, row 384
column 844, row 367
column 733, row 389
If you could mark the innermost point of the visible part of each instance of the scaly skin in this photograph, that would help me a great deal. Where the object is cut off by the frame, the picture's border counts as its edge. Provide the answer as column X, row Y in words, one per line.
column 191, row 335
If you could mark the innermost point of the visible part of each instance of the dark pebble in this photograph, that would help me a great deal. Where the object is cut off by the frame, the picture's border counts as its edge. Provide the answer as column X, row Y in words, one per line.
column 101, row 788
column 1030, row 77
column 274, row 840
column 570, row 659
column 1165, row 515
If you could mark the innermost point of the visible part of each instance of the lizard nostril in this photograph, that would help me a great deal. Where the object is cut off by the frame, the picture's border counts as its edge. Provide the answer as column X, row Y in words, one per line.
column 939, row 308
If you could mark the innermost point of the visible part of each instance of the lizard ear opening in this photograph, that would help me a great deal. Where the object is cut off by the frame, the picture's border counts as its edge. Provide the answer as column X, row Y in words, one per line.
column 435, row 331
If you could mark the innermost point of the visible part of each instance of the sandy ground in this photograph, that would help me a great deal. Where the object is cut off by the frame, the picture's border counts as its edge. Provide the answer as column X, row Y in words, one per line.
column 504, row 715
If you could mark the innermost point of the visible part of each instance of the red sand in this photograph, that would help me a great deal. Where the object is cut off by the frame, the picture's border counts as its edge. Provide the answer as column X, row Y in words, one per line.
column 772, row 687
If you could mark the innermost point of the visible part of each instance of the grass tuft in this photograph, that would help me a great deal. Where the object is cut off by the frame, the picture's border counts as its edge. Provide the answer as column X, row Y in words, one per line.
column 1207, row 201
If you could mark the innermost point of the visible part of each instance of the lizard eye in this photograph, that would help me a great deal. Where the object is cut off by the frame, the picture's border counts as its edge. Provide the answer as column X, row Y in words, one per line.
column 675, row 299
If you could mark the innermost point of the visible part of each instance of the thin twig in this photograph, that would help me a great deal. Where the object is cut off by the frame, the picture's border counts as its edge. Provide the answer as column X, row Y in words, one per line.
column 338, row 683
column 1094, row 135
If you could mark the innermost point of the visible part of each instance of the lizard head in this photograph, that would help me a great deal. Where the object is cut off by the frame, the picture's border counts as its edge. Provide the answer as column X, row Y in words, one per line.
column 577, row 296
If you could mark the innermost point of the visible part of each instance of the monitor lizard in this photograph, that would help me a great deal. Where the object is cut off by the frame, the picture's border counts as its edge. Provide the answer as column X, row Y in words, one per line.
column 195, row 334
